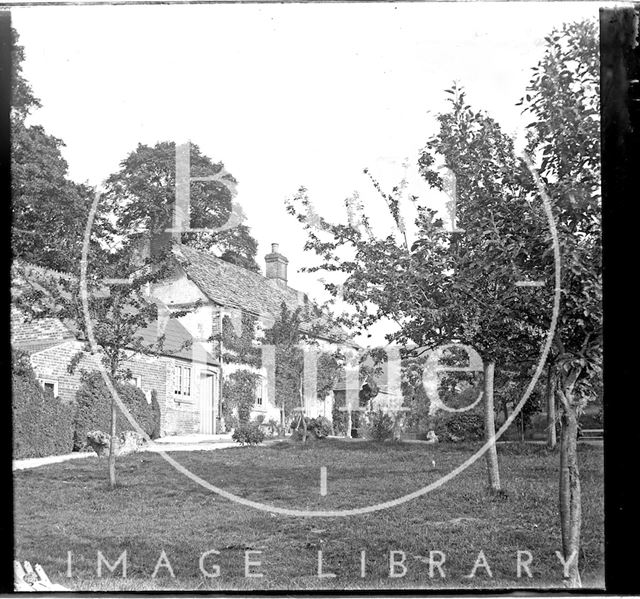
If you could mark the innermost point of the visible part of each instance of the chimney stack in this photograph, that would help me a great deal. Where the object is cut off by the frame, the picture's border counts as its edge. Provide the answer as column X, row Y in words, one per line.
column 276, row 266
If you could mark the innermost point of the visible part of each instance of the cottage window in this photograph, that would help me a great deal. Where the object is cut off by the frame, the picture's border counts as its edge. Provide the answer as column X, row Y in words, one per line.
column 182, row 381
column 136, row 381
column 259, row 391
column 49, row 385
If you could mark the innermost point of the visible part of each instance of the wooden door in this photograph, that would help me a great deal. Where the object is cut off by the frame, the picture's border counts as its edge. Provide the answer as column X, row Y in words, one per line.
column 207, row 414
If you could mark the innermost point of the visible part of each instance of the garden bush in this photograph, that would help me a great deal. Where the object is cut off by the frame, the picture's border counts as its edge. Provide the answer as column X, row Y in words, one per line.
column 42, row 424
column 317, row 428
column 248, row 433
column 156, row 431
column 380, row 426
column 93, row 409
column 462, row 426
column 320, row 426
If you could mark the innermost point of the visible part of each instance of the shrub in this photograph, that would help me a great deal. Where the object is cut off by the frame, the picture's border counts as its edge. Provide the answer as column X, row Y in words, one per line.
column 230, row 421
column 273, row 427
column 248, row 433
column 156, row 431
column 380, row 427
column 317, row 428
column 320, row 427
column 42, row 424
column 239, row 391
column 463, row 426
column 93, row 408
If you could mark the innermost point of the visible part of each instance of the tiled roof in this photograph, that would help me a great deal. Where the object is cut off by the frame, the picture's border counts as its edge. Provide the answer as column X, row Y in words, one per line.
column 34, row 346
column 174, row 342
column 232, row 286
column 41, row 329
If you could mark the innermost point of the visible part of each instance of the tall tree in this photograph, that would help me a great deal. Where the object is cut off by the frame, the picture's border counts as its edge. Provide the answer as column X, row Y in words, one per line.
column 444, row 286
column 285, row 335
column 563, row 100
column 142, row 196
column 49, row 210
column 290, row 343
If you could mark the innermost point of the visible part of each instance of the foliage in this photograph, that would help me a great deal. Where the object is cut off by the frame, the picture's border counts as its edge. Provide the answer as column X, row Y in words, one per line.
column 563, row 99
column 338, row 417
column 142, row 196
column 320, row 427
column 239, row 345
column 464, row 426
column 42, row 424
column 156, row 430
column 317, row 428
column 239, row 392
column 273, row 427
column 330, row 368
column 414, row 395
column 93, row 408
column 49, row 210
column 248, row 433
column 379, row 426
column 288, row 338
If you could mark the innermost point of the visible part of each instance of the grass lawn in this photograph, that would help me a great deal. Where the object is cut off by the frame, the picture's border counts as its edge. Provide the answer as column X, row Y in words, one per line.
column 67, row 508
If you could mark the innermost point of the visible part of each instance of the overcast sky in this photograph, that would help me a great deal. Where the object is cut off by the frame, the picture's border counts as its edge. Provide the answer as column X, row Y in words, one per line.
column 285, row 94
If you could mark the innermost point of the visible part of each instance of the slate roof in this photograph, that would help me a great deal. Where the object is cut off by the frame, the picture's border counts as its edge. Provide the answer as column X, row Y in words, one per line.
column 232, row 286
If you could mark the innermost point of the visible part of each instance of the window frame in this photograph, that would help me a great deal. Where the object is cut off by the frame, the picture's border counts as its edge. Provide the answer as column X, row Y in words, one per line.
column 259, row 403
column 182, row 382
column 136, row 381
column 47, row 381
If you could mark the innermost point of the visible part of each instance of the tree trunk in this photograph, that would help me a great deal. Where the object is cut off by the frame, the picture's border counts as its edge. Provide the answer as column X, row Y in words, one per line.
column 570, row 504
column 551, row 409
column 490, row 428
column 112, row 445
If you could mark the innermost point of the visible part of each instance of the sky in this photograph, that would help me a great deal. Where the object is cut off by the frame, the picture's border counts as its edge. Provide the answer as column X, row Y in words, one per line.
column 286, row 95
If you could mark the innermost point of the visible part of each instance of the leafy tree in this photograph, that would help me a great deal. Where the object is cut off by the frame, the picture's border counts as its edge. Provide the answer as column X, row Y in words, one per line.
column 142, row 196
column 445, row 286
column 239, row 390
column 116, row 314
column 49, row 210
column 288, row 338
column 563, row 100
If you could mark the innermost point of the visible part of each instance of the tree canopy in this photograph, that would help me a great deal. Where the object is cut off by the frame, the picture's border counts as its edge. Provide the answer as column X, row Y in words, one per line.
column 142, row 196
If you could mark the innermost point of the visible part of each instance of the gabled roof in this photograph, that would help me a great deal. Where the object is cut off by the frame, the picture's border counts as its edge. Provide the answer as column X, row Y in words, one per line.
column 39, row 334
column 232, row 286
column 175, row 339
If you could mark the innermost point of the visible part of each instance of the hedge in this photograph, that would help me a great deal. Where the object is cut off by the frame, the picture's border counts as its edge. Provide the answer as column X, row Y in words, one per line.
column 93, row 409
column 42, row 424
column 464, row 426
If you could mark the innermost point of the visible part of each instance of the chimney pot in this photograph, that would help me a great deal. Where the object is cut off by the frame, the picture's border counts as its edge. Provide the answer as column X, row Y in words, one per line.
column 276, row 266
